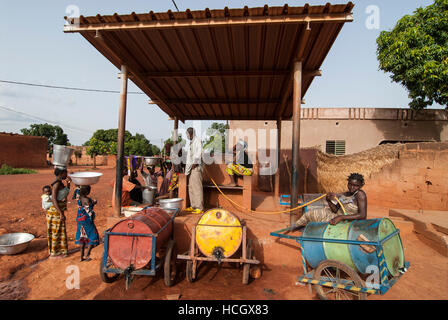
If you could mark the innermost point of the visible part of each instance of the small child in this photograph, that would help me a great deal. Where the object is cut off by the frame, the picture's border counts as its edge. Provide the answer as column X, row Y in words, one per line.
column 47, row 201
column 86, row 233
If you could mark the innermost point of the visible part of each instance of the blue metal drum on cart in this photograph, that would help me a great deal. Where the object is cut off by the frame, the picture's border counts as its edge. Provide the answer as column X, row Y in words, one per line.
column 354, row 255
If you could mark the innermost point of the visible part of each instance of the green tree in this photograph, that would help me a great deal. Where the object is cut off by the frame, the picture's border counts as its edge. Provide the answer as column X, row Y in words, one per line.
column 104, row 142
column 170, row 140
column 216, row 140
column 155, row 150
column 54, row 134
column 416, row 53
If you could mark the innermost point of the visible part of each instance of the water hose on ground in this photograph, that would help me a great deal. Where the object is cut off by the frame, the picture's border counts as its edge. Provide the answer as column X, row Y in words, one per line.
column 270, row 212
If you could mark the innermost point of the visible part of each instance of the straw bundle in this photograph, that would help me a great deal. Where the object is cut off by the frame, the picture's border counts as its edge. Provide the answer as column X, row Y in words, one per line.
column 332, row 171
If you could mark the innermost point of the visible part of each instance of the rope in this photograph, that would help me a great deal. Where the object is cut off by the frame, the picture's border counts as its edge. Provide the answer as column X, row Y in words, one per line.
column 269, row 212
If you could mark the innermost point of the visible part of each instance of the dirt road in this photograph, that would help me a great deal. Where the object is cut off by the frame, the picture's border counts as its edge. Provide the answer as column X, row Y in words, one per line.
column 31, row 275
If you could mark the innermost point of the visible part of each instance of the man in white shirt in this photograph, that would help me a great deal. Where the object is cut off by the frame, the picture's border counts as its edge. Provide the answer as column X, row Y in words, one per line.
column 193, row 169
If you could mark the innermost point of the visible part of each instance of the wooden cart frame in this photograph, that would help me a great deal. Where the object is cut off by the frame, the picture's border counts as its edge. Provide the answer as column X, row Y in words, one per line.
column 193, row 257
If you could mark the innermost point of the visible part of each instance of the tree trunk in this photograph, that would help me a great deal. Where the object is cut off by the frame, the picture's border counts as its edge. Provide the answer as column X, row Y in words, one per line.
column 94, row 161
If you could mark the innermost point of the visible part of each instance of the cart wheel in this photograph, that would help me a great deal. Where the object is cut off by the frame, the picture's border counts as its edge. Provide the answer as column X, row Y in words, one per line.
column 246, row 267
column 338, row 273
column 189, row 271
column 170, row 268
column 106, row 277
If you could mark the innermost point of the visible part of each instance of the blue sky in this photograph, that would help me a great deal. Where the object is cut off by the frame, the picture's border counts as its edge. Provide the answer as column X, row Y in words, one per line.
column 33, row 48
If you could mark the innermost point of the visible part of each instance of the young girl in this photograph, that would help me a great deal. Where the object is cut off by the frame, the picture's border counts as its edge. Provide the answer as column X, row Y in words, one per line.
column 86, row 233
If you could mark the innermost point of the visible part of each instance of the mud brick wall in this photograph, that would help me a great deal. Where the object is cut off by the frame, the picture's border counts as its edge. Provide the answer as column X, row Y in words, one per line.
column 21, row 151
column 87, row 160
column 417, row 180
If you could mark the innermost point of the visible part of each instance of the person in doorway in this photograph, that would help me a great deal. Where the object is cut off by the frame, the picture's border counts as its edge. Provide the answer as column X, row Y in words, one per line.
column 193, row 171
column 354, row 201
column 56, row 231
column 86, row 233
column 241, row 165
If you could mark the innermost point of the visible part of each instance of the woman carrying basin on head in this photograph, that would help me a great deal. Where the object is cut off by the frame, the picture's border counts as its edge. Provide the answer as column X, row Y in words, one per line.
column 354, row 201
column 56, row 231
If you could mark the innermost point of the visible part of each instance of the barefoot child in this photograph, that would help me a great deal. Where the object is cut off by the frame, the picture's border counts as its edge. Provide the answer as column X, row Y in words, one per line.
column 86, row 233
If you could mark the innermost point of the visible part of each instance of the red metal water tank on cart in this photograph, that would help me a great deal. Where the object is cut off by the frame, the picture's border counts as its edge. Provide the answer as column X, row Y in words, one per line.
column 125, row 250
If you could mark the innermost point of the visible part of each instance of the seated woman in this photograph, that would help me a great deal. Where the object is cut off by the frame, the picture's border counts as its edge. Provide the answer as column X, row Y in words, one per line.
column 354, row 202
column 127, row 197
column 241, row 165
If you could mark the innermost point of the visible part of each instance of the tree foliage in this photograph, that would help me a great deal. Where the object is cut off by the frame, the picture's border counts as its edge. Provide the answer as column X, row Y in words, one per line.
column 54, row 134
column 104, row 142
column 170, row 140
column 416, row 53
column 216, row 139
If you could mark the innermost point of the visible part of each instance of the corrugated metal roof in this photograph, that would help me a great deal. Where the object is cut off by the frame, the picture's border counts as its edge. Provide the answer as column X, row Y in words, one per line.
column 218, row 64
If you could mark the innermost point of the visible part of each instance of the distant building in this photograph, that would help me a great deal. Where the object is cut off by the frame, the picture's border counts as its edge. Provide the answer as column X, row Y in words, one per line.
column 350, row 130
column 20, row 151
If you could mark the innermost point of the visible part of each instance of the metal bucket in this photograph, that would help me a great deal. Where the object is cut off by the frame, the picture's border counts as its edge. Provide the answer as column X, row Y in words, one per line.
column 148, row 195
column 125, row 250
column 61, row 155
column 354, row 255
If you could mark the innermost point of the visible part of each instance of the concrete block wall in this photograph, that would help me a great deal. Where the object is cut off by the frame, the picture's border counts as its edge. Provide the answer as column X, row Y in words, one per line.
column 21, row 151
column 417, row 180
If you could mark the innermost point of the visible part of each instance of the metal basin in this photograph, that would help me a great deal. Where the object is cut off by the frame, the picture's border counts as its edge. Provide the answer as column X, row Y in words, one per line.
column 85, row 178
column 152, row 161
column 171, row 204
column 13, row 243
column 129, row 211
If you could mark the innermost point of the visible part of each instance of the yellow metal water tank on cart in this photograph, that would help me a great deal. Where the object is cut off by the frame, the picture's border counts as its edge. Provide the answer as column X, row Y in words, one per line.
column 217, row 236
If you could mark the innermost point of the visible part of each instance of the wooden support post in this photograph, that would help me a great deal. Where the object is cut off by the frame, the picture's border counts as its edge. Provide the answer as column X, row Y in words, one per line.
column 297, row 98
column 279, row 148
column 183, row 191
column 120, row 141
column 176, row 127
column 247, row 192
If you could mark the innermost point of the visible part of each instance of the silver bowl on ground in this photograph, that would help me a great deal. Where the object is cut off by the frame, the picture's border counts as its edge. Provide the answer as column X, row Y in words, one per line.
column 85, row 178
column 171, row 204
column 13, row 243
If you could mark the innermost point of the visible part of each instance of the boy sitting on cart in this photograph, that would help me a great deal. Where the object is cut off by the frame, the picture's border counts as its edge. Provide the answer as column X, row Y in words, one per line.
column 354, row 201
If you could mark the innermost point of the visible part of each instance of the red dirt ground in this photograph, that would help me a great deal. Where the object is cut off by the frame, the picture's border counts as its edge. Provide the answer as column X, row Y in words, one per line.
column 30, row 275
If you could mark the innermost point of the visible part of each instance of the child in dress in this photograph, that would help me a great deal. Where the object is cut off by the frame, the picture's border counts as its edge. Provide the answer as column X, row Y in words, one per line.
column 47, row 201
column 86, row 233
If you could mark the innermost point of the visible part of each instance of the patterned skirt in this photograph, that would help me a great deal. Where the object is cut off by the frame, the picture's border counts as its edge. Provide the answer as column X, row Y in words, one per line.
column 56, row 232
column 238, row 169
column 87, row 233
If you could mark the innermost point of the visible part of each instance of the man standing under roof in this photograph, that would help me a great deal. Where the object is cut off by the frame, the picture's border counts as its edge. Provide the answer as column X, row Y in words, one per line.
column 194, row 171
